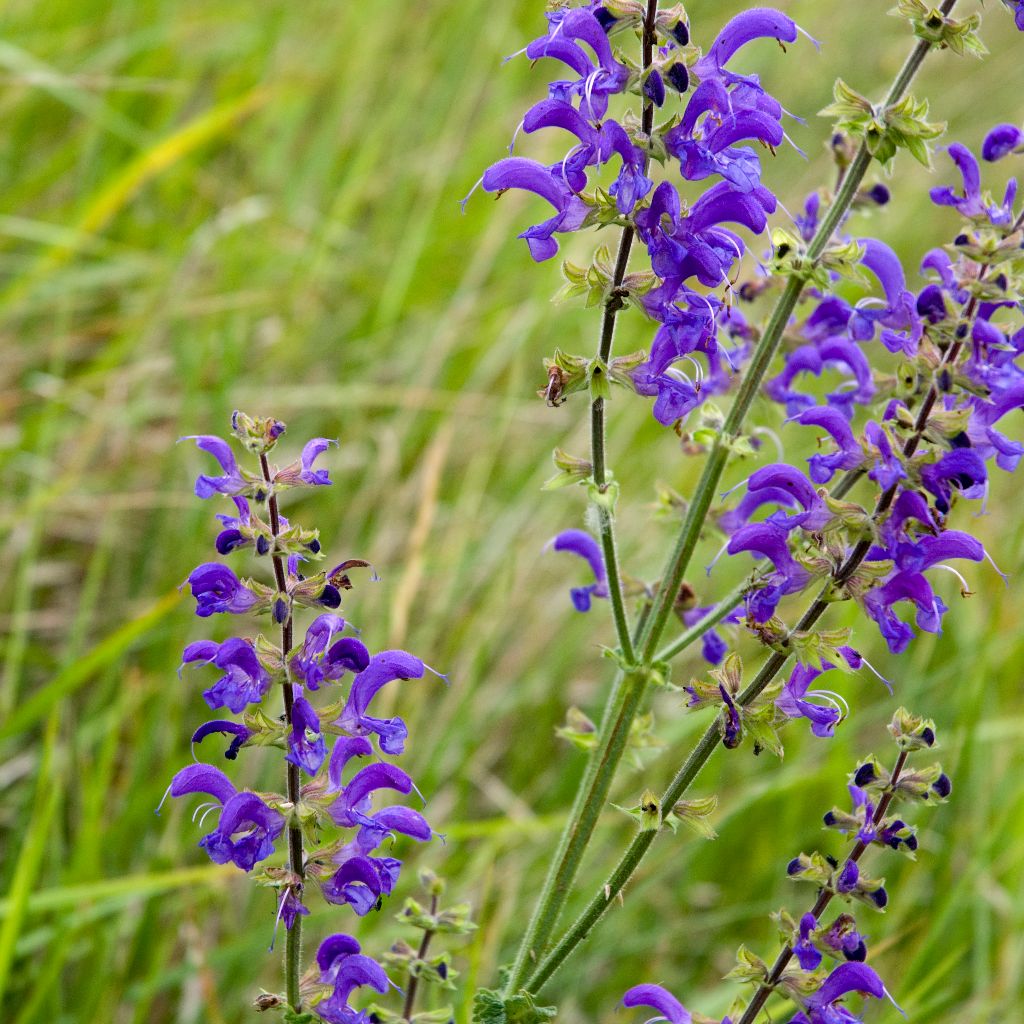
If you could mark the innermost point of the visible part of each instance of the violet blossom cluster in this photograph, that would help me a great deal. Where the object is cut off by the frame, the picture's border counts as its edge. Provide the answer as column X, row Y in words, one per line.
column 928, row 436
column 831, row 955
column 330, row 821
column 691, row 241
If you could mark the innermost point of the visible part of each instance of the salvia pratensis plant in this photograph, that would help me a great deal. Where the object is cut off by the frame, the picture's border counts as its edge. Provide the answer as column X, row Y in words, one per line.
column 666, row 141
column 904, row 382
column 336, row 758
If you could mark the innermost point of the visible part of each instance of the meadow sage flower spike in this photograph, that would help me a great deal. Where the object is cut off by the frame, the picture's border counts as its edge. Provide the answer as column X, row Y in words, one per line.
column 327, row 681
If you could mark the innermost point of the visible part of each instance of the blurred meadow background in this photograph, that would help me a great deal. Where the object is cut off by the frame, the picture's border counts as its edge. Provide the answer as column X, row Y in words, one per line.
column 233, row 205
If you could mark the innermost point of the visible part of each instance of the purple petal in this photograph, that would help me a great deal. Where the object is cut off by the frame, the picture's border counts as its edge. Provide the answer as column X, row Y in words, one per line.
column 660, row 999
column 203, row 778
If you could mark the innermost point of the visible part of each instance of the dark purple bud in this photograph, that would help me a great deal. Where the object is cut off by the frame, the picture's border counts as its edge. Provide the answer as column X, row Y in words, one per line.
column 442, row 970
column 679, row 77
column 654, row 88
column 961, row 239
column 228, row 540
column 911, row 842
column 605, row 18
column 865, row 774
column 314, row 546
column 680, row 32
column 793, row 867
column 262, row 545
column 879, row 897
column 829, row 819
column 280, row 611
column 879, row 194
column 331, row 597
column 931, row 304
column 260, row 496
column 859, row 954
column 1003, row 139
column 943, row 786
column 928, row 735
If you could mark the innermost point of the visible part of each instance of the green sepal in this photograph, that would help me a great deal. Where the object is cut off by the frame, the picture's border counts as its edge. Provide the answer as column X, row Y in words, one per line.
column 570, row 470
column 760, row 724
column 695, row 813
column 749, row 967
column 490, row 1008
column 957, row 34
column 912, row 732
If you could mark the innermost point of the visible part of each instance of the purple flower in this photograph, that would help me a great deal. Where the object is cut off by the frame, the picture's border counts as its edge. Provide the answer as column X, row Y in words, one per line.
column 383, row 668
column 245, row 680
column 706, row 148
column 322, row 658
column 806, row 952
column 962, row 468
column 843, row 937
column 888, row 469
column 580, row 543
column 758, row 23
column 240, row 733
column 357, row 882
column 291, row 907
column 345, row 748
column 815, row 359
column 897, row 315
column 733, row 727
column 971, row 204
column 1017, row 6
column 850, row 455
column 518, row 172
column 770, row 541
column 1001, row 140
column 657, row 998
column 343, row 966
column 232, row 482
column 306, row 746
column 822, row 1008
column 596, row 82
column 792, row 702
column 217, row 589
column 389, row 820
column 348, row 810
column 231, row 537
column 247, row 827
column 848, row 877
column 310, row 453
column 632, row 184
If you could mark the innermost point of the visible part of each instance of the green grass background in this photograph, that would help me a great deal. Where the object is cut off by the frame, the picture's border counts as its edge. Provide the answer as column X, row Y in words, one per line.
column 220, row 205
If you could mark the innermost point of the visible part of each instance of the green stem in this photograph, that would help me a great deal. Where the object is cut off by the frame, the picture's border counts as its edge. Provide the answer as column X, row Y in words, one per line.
column 628, row 689
column 679, row 561
column 721, row 610
column 293, row 935
column 421, row 955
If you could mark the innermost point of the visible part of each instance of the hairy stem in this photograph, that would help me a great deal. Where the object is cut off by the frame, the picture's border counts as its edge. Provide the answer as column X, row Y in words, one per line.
column 679, row 561
column 414, row 979
column 293, row 935
column 760, row 997
column 628, row 689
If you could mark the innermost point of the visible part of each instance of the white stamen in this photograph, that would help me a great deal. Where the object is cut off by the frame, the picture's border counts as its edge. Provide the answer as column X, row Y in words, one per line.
column 462, row 202
column 965, row 590
column 768, row 432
